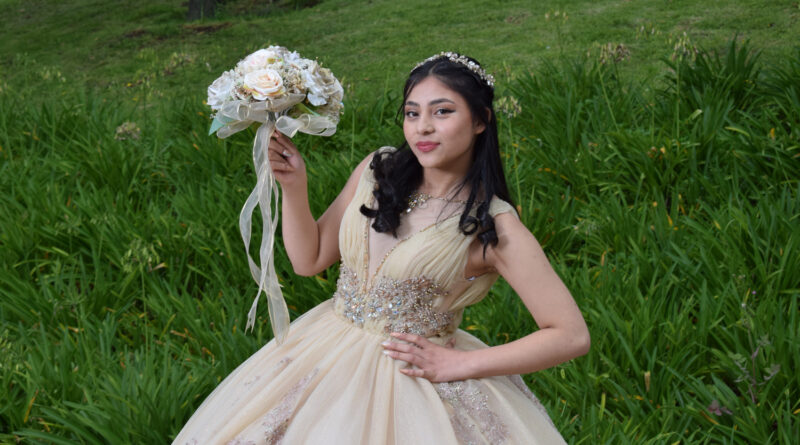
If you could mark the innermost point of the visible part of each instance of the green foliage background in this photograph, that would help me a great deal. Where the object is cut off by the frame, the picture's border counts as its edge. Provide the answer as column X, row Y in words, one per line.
column 655, row 155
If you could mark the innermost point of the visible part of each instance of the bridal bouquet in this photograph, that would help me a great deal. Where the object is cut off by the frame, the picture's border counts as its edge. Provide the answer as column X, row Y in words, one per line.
column 302, row 95
column 279, row 90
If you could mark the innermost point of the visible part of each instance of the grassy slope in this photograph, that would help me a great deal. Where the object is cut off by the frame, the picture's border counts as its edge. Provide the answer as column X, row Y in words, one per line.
column 660, row 263
column 113, row 43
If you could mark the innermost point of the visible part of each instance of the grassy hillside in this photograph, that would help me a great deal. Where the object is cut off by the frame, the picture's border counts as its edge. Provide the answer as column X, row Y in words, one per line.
column 661, row 180
column 114, row 44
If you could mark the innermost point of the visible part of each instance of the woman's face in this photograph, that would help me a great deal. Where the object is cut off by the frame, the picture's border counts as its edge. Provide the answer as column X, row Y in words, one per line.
column 439, row 127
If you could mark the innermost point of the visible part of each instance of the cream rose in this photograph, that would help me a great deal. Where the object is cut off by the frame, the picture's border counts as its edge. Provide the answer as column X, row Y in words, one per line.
column 259, row 60
column 264, row 84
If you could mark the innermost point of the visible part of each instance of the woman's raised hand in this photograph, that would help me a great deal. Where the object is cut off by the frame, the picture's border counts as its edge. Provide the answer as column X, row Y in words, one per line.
column 285, row 160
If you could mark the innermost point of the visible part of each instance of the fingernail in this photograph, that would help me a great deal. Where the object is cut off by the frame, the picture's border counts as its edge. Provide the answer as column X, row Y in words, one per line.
column 387, row 343
column 387, row 352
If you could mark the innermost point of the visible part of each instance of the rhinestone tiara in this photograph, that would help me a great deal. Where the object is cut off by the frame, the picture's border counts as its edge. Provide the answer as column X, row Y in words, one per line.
column 458, row 58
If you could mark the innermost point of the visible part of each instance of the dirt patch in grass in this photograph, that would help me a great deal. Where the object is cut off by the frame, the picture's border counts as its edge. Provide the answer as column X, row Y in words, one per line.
column 206, row 29
column 135, row 33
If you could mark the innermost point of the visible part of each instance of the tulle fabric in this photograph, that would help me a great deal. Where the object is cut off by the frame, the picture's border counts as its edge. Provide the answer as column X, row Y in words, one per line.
column 330, row 383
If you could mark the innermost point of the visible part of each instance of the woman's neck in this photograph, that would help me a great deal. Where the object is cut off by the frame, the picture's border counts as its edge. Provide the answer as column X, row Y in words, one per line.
column 443, row 184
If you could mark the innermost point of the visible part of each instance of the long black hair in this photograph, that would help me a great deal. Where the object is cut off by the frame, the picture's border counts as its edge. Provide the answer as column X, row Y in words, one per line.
column 399, row 174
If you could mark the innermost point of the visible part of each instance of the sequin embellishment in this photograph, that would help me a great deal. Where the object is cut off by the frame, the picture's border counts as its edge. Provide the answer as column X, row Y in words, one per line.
column 472, row 419
column 276, row 420
column 391, row 305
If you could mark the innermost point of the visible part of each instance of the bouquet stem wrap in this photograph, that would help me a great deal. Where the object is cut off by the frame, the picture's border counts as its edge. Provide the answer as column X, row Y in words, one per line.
column 271, row 114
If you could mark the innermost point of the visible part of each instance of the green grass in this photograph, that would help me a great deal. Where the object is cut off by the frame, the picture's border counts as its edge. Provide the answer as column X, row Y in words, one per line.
column 665, row 191
column 148, row 45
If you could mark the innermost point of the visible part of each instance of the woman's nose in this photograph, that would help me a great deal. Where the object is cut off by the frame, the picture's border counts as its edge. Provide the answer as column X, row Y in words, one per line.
column 424, row 125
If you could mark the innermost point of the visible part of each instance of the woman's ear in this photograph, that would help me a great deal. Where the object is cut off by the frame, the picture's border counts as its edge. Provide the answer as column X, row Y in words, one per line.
column 479, row 126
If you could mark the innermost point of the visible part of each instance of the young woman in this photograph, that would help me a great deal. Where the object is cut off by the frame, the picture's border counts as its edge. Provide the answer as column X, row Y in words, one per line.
column 421, row 233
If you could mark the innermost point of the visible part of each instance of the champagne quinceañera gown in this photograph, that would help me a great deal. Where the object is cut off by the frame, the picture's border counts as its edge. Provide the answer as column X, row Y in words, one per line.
column 330, row 383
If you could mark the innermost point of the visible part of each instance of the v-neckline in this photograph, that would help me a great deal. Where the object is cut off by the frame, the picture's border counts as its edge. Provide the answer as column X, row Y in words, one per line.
column 368, row 280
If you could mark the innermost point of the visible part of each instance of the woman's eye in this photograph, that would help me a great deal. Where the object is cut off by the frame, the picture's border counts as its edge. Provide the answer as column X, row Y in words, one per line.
column 444, row 111
column 411, row 113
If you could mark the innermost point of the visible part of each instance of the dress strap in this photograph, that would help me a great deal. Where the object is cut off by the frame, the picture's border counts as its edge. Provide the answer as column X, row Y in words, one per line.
column 498, row 206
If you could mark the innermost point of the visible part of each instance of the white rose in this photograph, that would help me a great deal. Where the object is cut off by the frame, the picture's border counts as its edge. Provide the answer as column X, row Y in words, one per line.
column 294, row 58
column 264, row 84
column 322, row 86
column 220, row 90
column 259, row 60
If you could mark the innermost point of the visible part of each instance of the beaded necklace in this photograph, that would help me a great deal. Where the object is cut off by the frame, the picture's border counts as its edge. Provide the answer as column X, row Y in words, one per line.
column 418, row 199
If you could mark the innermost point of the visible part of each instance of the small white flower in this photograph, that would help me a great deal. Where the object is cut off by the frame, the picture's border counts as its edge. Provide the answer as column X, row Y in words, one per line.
column 294, row 58
column 322, row 85
column 128, row 130
column 264, row 84
column 220, row 90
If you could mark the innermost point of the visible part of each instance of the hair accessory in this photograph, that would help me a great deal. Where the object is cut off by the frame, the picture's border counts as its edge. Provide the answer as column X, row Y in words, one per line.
column 458, row 58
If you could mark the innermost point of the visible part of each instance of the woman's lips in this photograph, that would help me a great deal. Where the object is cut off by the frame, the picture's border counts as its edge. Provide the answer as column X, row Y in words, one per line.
column 426, row 146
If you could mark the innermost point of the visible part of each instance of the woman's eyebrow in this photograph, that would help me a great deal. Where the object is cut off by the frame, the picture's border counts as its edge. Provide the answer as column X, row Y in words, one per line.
column 433, row 102
column 439, row 101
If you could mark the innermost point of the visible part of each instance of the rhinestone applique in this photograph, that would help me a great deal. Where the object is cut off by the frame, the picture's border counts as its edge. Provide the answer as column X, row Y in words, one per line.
column 276, row 420
column 472, row 419
column 391, row 305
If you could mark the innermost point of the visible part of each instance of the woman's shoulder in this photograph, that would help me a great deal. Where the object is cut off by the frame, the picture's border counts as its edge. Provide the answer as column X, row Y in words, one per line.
column 499, row 206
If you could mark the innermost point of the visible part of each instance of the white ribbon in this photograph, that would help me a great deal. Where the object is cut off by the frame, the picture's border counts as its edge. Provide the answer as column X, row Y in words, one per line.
column 271, row 114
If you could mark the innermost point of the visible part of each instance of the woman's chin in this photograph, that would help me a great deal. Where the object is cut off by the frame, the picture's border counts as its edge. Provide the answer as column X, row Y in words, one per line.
column 428, row 161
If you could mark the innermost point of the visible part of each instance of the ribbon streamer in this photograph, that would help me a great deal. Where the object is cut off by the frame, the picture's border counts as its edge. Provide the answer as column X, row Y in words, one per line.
column 237, row 116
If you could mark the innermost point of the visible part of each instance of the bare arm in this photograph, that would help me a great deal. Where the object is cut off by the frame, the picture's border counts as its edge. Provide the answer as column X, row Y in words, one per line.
column 311, row 245
column 562, row 333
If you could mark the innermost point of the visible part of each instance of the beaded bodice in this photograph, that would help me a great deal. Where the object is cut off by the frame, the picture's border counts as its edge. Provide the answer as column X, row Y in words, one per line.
column 392, row 305
column 413, row 282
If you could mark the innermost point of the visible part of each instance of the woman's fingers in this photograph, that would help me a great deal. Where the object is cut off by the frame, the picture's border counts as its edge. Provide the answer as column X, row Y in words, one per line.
column 277, row 143
column 283, row 154
column 406, row 357
column 400, row 347
column 413, row 372
column 412, row 338
column 289, row 149
column 283, row 147
column 279, row 163
column 281, row 144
